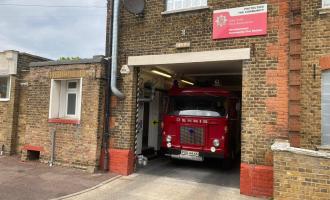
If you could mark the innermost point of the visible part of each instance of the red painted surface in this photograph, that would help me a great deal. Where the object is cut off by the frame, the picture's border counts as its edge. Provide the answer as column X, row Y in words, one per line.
column 325, row 62
column 64, row 121
column 32, row 148
column 240, row 22
column 256, row 180
column 121, row 161
column 218, row 127
column 214, row 128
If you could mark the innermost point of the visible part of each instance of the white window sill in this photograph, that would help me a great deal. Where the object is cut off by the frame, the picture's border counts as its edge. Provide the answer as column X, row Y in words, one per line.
column 4, row 100
column 185, row 10
column 323, row 11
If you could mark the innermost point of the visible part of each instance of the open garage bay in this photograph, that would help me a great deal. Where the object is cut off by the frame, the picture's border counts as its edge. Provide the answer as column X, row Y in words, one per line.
column 165, row 179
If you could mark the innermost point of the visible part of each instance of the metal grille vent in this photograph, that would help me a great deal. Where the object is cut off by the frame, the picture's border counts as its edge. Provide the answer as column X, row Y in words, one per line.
column 192, row 135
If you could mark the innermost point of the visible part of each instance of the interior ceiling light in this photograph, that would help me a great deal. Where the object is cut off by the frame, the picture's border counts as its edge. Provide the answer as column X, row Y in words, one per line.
column 187, row 82
column 161, row 73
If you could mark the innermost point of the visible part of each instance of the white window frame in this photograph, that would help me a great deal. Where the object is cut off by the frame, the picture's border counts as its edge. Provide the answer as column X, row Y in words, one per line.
column 323, row 108
column 201, row 4
column 58, row 103
column 324, row 2
column 8, row 88
column 71, row 91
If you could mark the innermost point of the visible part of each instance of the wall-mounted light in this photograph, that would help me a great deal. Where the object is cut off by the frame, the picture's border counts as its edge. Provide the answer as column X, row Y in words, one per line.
column 161, row 73
column 187, row 82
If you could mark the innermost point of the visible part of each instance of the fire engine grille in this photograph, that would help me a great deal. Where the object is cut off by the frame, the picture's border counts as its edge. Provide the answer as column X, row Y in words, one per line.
column 191, row 135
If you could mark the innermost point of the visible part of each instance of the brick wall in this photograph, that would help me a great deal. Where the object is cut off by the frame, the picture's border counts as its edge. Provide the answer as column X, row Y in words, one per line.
column 22, row 96
column 315, row 45
column 10, row 125
column 265, row 76
column 8, row 119
column 77, row 145
column 300, row 174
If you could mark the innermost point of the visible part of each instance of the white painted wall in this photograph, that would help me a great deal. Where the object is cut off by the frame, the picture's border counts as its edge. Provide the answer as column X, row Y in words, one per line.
column 8, row 62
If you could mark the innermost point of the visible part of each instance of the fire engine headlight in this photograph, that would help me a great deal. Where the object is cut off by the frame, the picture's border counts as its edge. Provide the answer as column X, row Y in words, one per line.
column 168, row 138
column 216, row 143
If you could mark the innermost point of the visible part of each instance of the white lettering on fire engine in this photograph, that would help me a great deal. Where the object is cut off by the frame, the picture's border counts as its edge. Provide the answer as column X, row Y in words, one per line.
column 196, row 121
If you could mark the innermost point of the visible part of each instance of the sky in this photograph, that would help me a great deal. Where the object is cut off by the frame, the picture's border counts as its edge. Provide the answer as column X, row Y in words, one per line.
column 54, row 32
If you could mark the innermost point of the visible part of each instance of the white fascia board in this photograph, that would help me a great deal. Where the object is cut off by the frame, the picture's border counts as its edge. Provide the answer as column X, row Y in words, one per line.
column 191, row 57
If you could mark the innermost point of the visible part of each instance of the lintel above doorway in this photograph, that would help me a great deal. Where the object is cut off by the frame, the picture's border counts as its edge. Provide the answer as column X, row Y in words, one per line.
column 191, row 57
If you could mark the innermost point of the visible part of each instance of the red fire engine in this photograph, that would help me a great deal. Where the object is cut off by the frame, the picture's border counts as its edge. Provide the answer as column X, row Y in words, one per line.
column 200, row 123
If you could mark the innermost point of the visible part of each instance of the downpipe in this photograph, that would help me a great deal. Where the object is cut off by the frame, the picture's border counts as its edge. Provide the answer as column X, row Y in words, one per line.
column 114, row 60
column 106, row 133
column 112, row 77
column 52, row 156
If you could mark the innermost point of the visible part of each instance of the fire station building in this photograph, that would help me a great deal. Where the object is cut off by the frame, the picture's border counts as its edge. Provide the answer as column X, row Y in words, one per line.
column 274, row 54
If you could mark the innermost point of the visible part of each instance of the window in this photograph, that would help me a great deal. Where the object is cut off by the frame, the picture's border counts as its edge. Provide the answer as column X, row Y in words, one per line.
column 65, row 99
column 4, row 88
column 325, row 99
column 325, row 3
column 184, row 4
column 207, row 106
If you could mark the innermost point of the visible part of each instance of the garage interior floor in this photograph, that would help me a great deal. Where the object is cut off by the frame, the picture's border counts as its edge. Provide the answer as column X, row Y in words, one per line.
column 208, row 172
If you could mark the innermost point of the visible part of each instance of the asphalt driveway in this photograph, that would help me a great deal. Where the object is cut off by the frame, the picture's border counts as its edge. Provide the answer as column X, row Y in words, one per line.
column 36, row 181
column 166, row 180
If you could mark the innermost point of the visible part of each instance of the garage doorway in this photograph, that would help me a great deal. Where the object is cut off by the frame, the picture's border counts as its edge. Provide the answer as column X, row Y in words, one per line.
column 155, row 83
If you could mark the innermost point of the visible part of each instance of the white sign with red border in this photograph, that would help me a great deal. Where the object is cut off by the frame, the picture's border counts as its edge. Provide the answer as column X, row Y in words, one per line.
column 240, row 22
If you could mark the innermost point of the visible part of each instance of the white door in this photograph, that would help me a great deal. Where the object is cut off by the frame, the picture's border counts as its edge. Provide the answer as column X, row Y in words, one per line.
column 154, row 123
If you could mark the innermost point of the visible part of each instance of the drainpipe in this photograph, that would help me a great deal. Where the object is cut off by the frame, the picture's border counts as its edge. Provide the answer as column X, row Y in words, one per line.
column 106, row 134
column 52, row 156
column 115, row 29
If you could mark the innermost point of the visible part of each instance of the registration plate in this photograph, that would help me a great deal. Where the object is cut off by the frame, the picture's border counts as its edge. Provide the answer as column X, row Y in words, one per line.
column 190, row 153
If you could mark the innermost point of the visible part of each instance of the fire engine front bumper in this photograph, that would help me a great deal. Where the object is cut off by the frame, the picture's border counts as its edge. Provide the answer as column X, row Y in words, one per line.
column 178, row 153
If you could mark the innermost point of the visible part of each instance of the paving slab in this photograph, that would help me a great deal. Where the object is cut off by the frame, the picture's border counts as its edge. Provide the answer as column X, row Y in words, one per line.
column 32, row 180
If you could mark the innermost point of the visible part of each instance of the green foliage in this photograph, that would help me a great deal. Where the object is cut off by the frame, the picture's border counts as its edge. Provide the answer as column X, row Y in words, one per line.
column 69, row 58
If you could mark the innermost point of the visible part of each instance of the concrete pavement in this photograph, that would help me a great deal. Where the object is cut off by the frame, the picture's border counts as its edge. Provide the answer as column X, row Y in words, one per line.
column 166, row 180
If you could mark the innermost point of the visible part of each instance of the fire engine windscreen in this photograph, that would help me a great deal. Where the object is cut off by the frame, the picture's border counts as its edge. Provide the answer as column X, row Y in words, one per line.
column 206, row 106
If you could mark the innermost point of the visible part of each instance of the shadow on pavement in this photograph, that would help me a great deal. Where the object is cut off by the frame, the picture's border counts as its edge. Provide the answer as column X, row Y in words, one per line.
column 208, row 172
